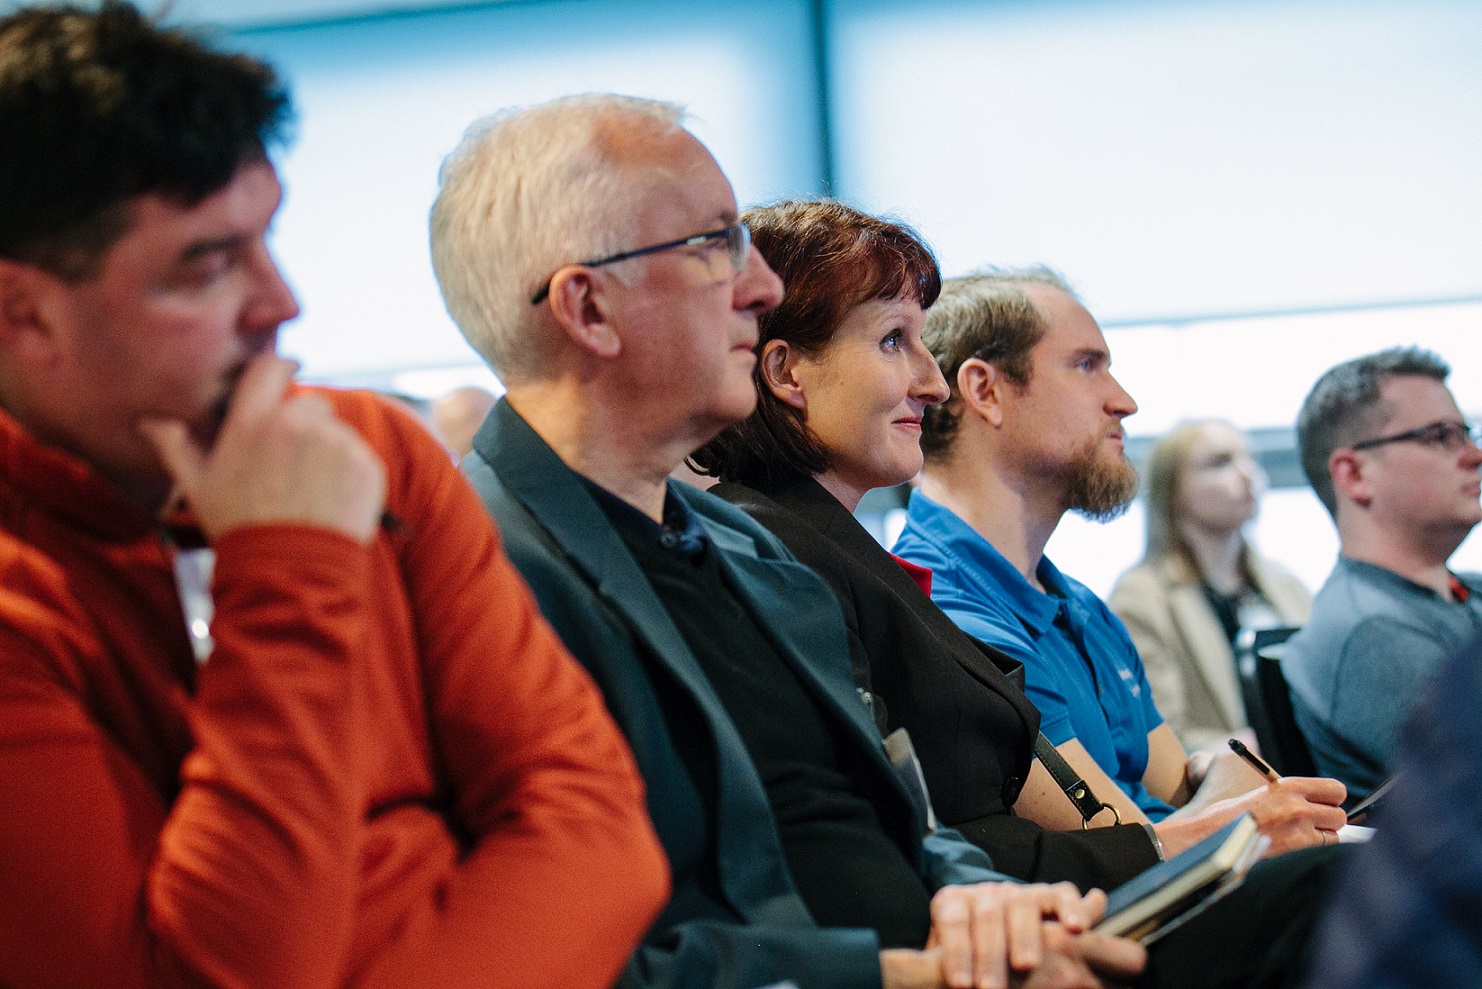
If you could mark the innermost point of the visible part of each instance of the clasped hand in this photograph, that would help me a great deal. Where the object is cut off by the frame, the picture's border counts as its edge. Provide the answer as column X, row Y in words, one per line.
column 996, row 935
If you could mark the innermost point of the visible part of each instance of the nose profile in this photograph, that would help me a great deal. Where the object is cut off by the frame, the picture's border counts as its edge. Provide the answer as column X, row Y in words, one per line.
column 1120, row 404
column 1471, row 453
column 273, row 302
column 757, row 288
column 929, row 385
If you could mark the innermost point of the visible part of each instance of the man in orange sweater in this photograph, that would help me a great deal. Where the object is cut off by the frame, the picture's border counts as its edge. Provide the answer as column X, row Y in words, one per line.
column 357, row 756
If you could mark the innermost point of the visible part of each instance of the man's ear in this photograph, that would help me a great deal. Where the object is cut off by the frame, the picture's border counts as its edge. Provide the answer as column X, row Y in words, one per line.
column 1346, row 468
column 981, row 388
column 778, row 365
column 25, row 324
column 580, row 306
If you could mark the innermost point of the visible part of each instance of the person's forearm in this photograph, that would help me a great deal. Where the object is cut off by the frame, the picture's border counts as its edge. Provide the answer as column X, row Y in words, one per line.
column 1225, row 777
column 543, row 782
column 1184, row 828
column 1211, row 806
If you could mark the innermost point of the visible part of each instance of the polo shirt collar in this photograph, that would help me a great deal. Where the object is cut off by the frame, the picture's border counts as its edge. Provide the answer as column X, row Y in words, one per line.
column 1470, row 585
column 984, row 565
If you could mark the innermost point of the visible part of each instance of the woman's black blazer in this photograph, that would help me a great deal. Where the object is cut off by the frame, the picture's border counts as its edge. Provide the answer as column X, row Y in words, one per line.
column 961, row 700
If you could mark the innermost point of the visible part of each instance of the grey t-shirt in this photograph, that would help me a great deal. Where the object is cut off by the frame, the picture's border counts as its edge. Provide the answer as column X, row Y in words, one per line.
column 1362, row 662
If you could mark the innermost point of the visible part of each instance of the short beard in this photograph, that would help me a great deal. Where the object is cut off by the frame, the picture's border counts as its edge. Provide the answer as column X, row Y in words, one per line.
column 1098, row 488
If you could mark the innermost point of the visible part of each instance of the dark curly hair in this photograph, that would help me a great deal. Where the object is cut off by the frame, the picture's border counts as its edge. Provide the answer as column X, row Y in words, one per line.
column 831, row 258
column 100, row 106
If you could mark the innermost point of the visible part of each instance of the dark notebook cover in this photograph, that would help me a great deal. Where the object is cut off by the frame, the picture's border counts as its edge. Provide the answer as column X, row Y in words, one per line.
column 1154, row 902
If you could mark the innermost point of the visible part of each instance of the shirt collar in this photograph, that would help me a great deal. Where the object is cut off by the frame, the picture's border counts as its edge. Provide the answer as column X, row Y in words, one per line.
column 681, row 533
column 980, row 563
column 66, row 487
column 920, row 576
column 1465, row 584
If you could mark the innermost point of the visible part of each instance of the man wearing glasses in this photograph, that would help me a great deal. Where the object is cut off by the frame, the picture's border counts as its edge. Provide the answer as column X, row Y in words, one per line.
column 1389, row 454
column 590, row 250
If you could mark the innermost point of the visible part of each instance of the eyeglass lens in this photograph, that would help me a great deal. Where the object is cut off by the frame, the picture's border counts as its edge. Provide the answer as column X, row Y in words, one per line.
column 1453, row 435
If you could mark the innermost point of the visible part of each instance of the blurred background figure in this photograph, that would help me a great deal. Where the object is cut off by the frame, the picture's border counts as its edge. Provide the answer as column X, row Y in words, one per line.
column 457, row 415
column 1201, row 581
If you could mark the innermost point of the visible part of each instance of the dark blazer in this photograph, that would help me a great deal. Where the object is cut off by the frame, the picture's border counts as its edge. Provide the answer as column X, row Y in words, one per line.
column 962, row 700
column 735, row 919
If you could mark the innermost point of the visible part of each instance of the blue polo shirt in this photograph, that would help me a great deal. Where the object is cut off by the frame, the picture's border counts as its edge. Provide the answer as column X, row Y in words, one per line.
column 1080, row 666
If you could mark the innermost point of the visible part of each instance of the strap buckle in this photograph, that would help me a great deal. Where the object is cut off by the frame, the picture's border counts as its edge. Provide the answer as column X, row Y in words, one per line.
column 1116, row 816
column 1077, row 790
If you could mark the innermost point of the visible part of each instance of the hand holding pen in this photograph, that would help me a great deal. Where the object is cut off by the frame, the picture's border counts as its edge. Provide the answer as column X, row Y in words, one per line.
column 1317, row 806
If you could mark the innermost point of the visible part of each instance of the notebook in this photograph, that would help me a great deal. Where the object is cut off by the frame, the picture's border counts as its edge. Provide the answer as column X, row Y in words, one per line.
column 1157, row 900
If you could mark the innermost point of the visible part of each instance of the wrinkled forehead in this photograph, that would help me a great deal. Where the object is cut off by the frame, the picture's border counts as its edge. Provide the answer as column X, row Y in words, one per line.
column 667, row 170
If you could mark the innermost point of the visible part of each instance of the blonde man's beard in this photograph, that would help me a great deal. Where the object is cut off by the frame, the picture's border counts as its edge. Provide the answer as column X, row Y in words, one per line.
column 1098, row 487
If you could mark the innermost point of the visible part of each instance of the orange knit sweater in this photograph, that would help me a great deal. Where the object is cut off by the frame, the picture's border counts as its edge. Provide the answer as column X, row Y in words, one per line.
column 388, row 773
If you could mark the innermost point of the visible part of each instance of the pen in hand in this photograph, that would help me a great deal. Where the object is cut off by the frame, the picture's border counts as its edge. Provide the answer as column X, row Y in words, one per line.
column 1256, row 762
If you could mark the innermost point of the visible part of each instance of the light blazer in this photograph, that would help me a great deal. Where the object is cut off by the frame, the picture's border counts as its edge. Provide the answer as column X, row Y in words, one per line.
column 962, row 701
column 735, row 919
column 1183, row 646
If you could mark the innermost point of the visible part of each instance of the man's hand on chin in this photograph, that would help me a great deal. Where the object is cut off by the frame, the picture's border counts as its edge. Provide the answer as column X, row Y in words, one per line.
column 276, row 459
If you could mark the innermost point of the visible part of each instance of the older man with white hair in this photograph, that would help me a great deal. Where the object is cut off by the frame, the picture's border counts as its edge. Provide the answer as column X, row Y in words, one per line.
column 590, row 249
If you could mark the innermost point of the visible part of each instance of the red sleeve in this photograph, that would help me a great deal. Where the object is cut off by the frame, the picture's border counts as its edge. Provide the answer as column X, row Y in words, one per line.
column 104, row 886
column 255, row 851
column 77, row 821
column 566, row 873
column 251, row 877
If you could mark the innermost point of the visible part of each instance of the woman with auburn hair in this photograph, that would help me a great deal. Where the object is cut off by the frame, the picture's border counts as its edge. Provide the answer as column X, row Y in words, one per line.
column 842, row 380
column 1200, row 581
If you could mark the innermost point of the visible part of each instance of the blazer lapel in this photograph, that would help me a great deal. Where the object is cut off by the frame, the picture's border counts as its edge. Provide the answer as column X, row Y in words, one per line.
column 831, row 685
column 1213, row 661
column 998, row 672
column 756, row 885
column 779, row 604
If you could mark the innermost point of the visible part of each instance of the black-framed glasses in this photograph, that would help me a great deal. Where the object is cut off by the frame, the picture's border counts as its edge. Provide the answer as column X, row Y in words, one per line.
column 738, row 247
column 1448, row 434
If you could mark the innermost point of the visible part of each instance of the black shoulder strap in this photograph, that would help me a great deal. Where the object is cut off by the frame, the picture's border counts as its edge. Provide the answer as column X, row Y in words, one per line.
column 1077, row 790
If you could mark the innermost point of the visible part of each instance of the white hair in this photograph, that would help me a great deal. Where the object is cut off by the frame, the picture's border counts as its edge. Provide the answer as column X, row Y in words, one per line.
column 526, row 191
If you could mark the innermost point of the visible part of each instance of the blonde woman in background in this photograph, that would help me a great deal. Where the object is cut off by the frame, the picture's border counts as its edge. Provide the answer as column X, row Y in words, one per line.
column 1200, row 581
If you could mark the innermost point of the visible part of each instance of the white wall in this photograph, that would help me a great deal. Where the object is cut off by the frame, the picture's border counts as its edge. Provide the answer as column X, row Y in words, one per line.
column 1177, row 159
